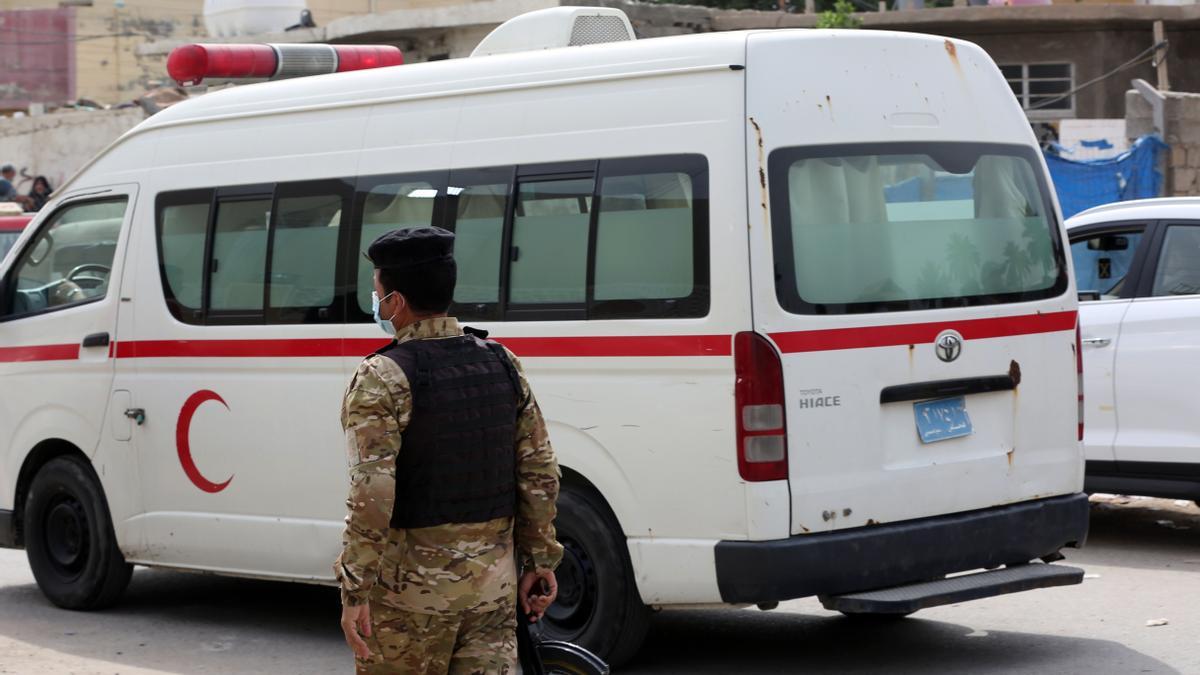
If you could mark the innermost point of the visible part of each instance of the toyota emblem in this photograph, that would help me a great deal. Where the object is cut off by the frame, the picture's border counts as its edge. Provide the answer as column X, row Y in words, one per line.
column 948, row 346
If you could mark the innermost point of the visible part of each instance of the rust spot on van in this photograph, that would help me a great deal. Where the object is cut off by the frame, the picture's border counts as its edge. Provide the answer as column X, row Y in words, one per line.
column 1014, row 371
column 828, row 515
column 805, row 528
column 871, row 522
column 846, row 512
column 1010, row 456
column 953, row 52
column 762, row 174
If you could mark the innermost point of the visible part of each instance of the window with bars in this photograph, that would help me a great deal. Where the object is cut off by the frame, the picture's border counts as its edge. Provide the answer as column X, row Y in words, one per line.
column 1040, row 86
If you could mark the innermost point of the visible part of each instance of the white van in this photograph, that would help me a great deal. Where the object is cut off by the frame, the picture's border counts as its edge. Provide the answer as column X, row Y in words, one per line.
column 796, row 305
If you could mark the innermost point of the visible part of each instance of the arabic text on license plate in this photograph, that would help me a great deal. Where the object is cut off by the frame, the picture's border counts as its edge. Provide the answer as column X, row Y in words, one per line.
column 942, row 419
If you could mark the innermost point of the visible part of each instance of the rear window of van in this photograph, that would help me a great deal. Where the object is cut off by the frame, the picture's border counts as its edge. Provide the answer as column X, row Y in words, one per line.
column 907, row 226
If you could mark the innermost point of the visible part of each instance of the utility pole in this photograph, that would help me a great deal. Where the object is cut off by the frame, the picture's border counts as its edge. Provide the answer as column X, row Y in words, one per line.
column 1164, row 83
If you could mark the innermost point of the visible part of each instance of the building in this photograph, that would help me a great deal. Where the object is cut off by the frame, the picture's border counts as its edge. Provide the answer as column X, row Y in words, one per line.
column 55, row 51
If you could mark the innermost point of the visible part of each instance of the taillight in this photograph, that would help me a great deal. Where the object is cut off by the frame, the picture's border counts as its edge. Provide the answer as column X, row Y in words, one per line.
column 1079, row 374
column 761, row 418
column 190, row 64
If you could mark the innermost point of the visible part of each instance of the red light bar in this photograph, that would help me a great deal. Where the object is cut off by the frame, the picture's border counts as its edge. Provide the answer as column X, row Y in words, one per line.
column 363, row 57
column 191, row 64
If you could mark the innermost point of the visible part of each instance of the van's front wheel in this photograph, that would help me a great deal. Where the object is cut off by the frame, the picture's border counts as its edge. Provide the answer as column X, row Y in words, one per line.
column 598, row 605
column 69, row 537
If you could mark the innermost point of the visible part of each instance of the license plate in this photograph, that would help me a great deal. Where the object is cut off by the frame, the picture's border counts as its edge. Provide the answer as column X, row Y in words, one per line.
column 942, row 419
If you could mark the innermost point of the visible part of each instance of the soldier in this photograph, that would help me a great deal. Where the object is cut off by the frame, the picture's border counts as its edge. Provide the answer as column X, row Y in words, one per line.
column 452, row 481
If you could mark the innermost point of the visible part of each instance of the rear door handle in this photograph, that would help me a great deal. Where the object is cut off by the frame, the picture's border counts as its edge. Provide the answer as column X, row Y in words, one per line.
column 1097, row 342
column 96, row 340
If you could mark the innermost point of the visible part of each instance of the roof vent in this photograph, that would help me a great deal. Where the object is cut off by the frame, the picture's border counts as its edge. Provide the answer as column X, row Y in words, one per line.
column 557, row 27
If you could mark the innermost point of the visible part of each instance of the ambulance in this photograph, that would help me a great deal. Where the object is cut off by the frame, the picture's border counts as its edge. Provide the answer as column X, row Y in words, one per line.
column 796, row 305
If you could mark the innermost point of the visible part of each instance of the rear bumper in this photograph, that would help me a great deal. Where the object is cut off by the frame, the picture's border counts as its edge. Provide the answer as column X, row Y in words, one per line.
column 882, row 556
column 8, row 530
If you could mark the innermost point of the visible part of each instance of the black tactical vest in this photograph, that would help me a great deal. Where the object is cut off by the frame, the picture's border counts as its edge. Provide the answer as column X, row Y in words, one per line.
column 457, row 461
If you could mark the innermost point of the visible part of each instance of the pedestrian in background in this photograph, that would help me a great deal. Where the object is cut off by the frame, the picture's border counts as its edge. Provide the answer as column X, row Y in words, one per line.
column 39, row 194
column 453, row 482
column 8, row 188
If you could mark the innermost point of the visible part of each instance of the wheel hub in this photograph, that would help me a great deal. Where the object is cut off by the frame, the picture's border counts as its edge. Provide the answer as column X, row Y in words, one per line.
column 66, row 535
column 577, row 591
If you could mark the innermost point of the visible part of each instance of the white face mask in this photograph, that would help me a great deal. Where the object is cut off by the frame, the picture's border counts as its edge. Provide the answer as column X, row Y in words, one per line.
column 385, row 324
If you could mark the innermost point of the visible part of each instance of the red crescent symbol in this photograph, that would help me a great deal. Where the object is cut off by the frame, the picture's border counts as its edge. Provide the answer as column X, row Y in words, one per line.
column 181, row 440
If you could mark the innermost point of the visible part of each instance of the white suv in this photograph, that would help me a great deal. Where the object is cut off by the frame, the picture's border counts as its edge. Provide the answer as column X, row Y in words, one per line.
column 1137, row 267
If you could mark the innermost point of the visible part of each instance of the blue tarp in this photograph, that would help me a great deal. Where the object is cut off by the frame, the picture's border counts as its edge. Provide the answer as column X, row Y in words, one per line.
column 1130, row 175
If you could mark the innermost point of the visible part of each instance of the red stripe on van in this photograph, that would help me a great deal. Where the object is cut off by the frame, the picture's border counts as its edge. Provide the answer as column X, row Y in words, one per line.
column 642, row 345
column 917, row 333
column 597, row 346
column 39, row 353
column 164, row 349
column 633, row 345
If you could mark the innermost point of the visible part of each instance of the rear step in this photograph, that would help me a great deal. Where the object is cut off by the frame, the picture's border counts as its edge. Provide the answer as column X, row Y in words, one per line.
column 908, row 599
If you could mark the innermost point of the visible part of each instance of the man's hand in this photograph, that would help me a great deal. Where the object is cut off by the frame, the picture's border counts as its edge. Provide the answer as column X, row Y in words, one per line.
column 536, row 592
column 356, row 624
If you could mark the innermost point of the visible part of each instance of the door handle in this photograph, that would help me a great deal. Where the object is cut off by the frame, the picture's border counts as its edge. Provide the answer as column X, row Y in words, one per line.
column 96, row 340
column 1096, row 342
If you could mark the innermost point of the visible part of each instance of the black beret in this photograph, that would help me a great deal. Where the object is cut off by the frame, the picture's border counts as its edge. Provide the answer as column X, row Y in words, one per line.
column 414, row 246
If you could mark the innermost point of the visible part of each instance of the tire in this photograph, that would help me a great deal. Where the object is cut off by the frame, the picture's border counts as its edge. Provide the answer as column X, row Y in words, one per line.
column 69, row 537
column 560, row 658
column 598, row 606
column 877, row 618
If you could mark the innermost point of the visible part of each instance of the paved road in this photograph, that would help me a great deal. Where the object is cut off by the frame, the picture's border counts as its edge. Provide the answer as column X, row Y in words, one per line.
column 1143, row 562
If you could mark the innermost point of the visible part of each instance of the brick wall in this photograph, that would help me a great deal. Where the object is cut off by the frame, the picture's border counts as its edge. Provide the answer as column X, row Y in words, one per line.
column 1181, row 117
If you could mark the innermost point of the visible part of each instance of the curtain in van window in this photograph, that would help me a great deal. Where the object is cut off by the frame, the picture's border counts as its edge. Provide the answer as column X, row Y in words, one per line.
column 644, row 233
column 239, row 253
column 304, row 251
column 478, row 236
column 184, row 228
column 550, row 235
column 840, row 241
column 900, row 228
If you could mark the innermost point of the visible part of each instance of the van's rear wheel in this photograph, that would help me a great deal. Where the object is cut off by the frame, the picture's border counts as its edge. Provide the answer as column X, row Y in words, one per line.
column 598, row 605
column 69, row 537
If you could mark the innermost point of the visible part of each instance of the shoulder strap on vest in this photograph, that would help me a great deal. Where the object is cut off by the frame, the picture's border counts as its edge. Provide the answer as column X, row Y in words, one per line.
column 515, row 379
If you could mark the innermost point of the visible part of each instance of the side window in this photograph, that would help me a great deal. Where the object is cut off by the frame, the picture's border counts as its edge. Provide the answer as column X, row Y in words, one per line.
column 239, row 254
column 303, row 253
column 266, row 257
column 550, row 242
column 1178, row 271
column 183, row 227
column 388, row 204
column 69, row 262
column 1102, row 263
column 619, row 238
column 477, row 205
column 651, row 252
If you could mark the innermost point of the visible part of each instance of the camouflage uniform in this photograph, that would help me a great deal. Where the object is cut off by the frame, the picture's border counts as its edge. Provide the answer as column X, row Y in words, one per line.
column 442, row 598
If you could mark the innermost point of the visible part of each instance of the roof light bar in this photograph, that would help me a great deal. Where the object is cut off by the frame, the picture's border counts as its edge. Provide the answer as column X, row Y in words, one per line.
column 191, row 64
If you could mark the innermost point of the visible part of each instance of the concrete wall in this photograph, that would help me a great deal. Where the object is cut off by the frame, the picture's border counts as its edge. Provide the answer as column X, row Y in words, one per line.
column 1181, row 117
column 106, row 64
column 58, row 144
